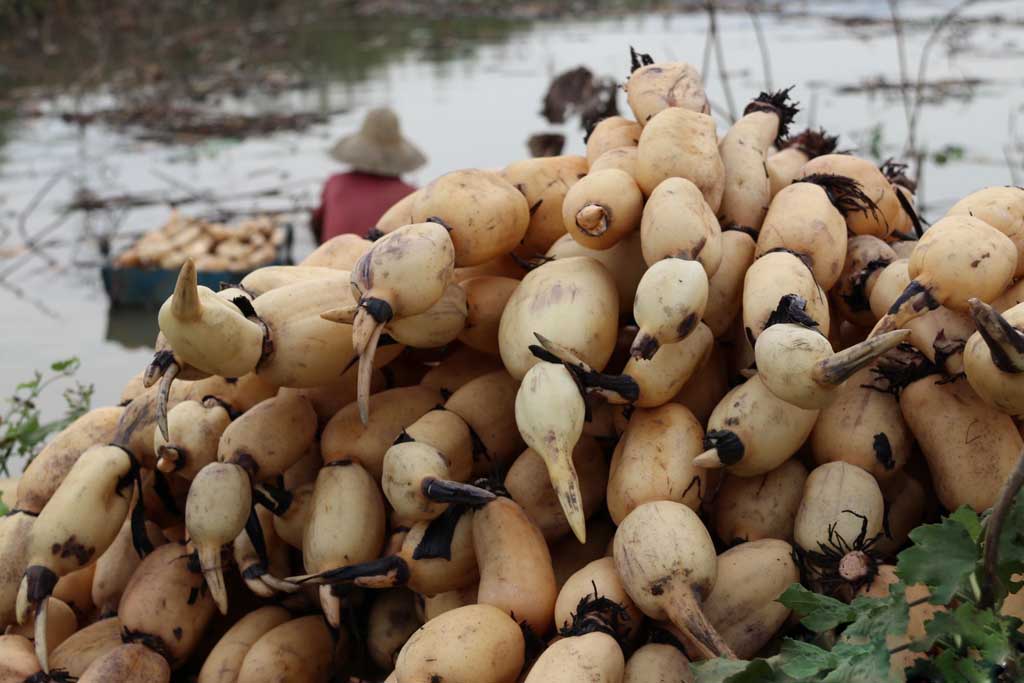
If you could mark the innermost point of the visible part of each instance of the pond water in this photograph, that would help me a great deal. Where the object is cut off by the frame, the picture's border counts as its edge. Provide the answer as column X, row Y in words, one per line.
column 467, row 98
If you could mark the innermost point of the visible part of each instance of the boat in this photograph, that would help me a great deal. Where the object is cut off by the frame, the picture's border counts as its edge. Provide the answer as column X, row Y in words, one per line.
column 134, row 280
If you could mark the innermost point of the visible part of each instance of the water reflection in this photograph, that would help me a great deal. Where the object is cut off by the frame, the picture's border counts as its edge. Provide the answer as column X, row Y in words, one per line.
column 132, row 327
column 203, row 52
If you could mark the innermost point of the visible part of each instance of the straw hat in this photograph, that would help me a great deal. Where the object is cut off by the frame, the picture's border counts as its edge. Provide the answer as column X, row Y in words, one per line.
column 379, row 147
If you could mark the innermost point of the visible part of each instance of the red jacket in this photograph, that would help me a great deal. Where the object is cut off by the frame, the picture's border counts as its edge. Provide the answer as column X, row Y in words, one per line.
column 353, row 202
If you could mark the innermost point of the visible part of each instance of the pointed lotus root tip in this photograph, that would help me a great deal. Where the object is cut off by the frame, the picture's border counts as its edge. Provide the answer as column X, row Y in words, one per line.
column 694, row 628
column 1005, row 342
column 185, row 304
column 887, row 323
column 570, row 498
column 561, row 353
column 445, row 491
column 915, row 300
column 593, row 219
column 162, row 397
column 40, row 635
column 331, row 606
column 363, row 326
column 279, row 585
column 344, row 315
column 978, row 307
column 364, row 376
column 540, row 353
column 210, row 562
column 162, row 360
column 841, row 366
column 709, row 460
column 723, row 447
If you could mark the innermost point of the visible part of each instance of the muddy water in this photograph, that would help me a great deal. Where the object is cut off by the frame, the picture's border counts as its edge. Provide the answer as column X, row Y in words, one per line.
column 467, row 108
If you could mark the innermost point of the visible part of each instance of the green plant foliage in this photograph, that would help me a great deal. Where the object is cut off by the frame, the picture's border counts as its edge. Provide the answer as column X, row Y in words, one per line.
column 968, row 642
column 23, row 429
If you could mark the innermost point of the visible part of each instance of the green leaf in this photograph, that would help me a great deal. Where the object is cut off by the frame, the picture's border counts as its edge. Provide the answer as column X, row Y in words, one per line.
column 1011, row 547
column 949, row 667
column 734, row 671
column 803, row 660
column 860, row 662
column 757, row 671
column 22, row 430
column 716, row 670
column 943, row 556
column 31, row 384
column 3, row 508
column 970, row 520
column 69, row 364
column 819, row 612
column 982, row 630
column 25, row 431
column 883, row 615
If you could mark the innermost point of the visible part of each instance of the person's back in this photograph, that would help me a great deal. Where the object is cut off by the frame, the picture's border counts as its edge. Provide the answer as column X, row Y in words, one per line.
column 352, row 202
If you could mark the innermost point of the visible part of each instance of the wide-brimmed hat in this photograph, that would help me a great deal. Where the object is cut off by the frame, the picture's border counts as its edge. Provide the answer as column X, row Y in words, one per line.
column 379, row 147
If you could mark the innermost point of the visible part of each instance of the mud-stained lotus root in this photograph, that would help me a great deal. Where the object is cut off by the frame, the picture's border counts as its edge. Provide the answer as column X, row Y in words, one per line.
column 681, row 143
column 655, row 87
column 487, row 215
column 573, row 302
column 544, row 182
column 611, row 133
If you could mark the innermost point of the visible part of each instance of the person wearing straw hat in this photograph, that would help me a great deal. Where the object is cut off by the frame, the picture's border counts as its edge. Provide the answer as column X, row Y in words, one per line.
column 378, row 155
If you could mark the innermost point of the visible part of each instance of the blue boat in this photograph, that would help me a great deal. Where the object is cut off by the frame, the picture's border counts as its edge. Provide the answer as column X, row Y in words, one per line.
column 150, row 287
